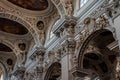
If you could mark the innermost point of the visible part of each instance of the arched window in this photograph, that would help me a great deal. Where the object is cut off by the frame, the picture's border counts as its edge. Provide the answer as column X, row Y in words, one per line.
column 1, row 77
column 51, row 34
column 83, row 2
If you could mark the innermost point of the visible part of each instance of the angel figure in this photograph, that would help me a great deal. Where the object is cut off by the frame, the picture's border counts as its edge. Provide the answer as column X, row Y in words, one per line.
column 42, row 37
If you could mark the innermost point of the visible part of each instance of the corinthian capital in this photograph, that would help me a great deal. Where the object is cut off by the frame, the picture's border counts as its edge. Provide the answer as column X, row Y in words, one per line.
column 19, row 73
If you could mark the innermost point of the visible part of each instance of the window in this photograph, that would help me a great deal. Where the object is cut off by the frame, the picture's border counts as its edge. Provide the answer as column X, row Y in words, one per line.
column 51, row 34
column 83, row 2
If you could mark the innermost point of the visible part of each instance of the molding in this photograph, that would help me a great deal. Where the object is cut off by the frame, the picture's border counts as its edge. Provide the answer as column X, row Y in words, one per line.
column 45, row 12
column 113, row 45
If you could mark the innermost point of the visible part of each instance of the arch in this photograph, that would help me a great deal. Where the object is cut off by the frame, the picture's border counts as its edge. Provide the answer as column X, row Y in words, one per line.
column 10, row 45
column 25, row 24
column 96, row 43
column 4, row 70
column 60, row 7
column 94, row 57
column 86, row 42
column 50, row 69
column 50, row 29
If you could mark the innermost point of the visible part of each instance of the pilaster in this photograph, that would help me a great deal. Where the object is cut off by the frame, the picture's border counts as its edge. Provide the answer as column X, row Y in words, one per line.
column 68, row 44
column 19, row 73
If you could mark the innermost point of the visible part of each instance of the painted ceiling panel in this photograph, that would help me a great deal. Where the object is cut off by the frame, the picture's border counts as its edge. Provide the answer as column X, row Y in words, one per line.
column 4, row 48
column 31, row 4
column 12, row 27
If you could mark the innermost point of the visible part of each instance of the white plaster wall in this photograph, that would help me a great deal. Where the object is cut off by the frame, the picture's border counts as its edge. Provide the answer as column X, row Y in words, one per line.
column 117, row 27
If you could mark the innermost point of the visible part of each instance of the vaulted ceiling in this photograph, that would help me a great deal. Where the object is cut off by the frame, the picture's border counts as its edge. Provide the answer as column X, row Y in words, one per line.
column 20, row 24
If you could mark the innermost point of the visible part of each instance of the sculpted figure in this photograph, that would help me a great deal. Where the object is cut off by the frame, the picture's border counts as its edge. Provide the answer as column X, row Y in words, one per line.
column 42, row 37
column 22, row 46
column 23, row 54
column 102, row 22
column 23, row 57
column 40, row 26
column 118, row 71
column 80, row 41
column 71, row 30
column 93, row 22
column 86, row 23
column 69, row 8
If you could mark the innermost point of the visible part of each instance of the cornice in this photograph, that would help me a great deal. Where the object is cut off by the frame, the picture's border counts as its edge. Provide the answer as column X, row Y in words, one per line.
column 9, row 35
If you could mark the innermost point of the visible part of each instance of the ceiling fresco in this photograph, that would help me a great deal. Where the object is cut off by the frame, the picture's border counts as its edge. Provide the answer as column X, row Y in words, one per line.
column 4, row 48
column 12, row 27
column 31, row 4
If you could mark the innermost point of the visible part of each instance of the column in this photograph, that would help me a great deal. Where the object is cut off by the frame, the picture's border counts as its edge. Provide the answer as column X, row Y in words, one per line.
column 68, row 49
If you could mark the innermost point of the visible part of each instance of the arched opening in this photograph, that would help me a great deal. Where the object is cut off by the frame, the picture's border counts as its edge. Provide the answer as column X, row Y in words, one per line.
column 7, row 60
column 54, row 72
column 97, row 65
column 97, row 57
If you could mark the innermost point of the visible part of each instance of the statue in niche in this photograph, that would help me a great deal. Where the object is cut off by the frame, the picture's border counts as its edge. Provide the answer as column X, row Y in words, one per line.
column 102, row 22
column 23, row 54
column 22, row 46
column 10, row 64
column 40, row 26
column 42, row 37
column 23, row 57
column 69, row 8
